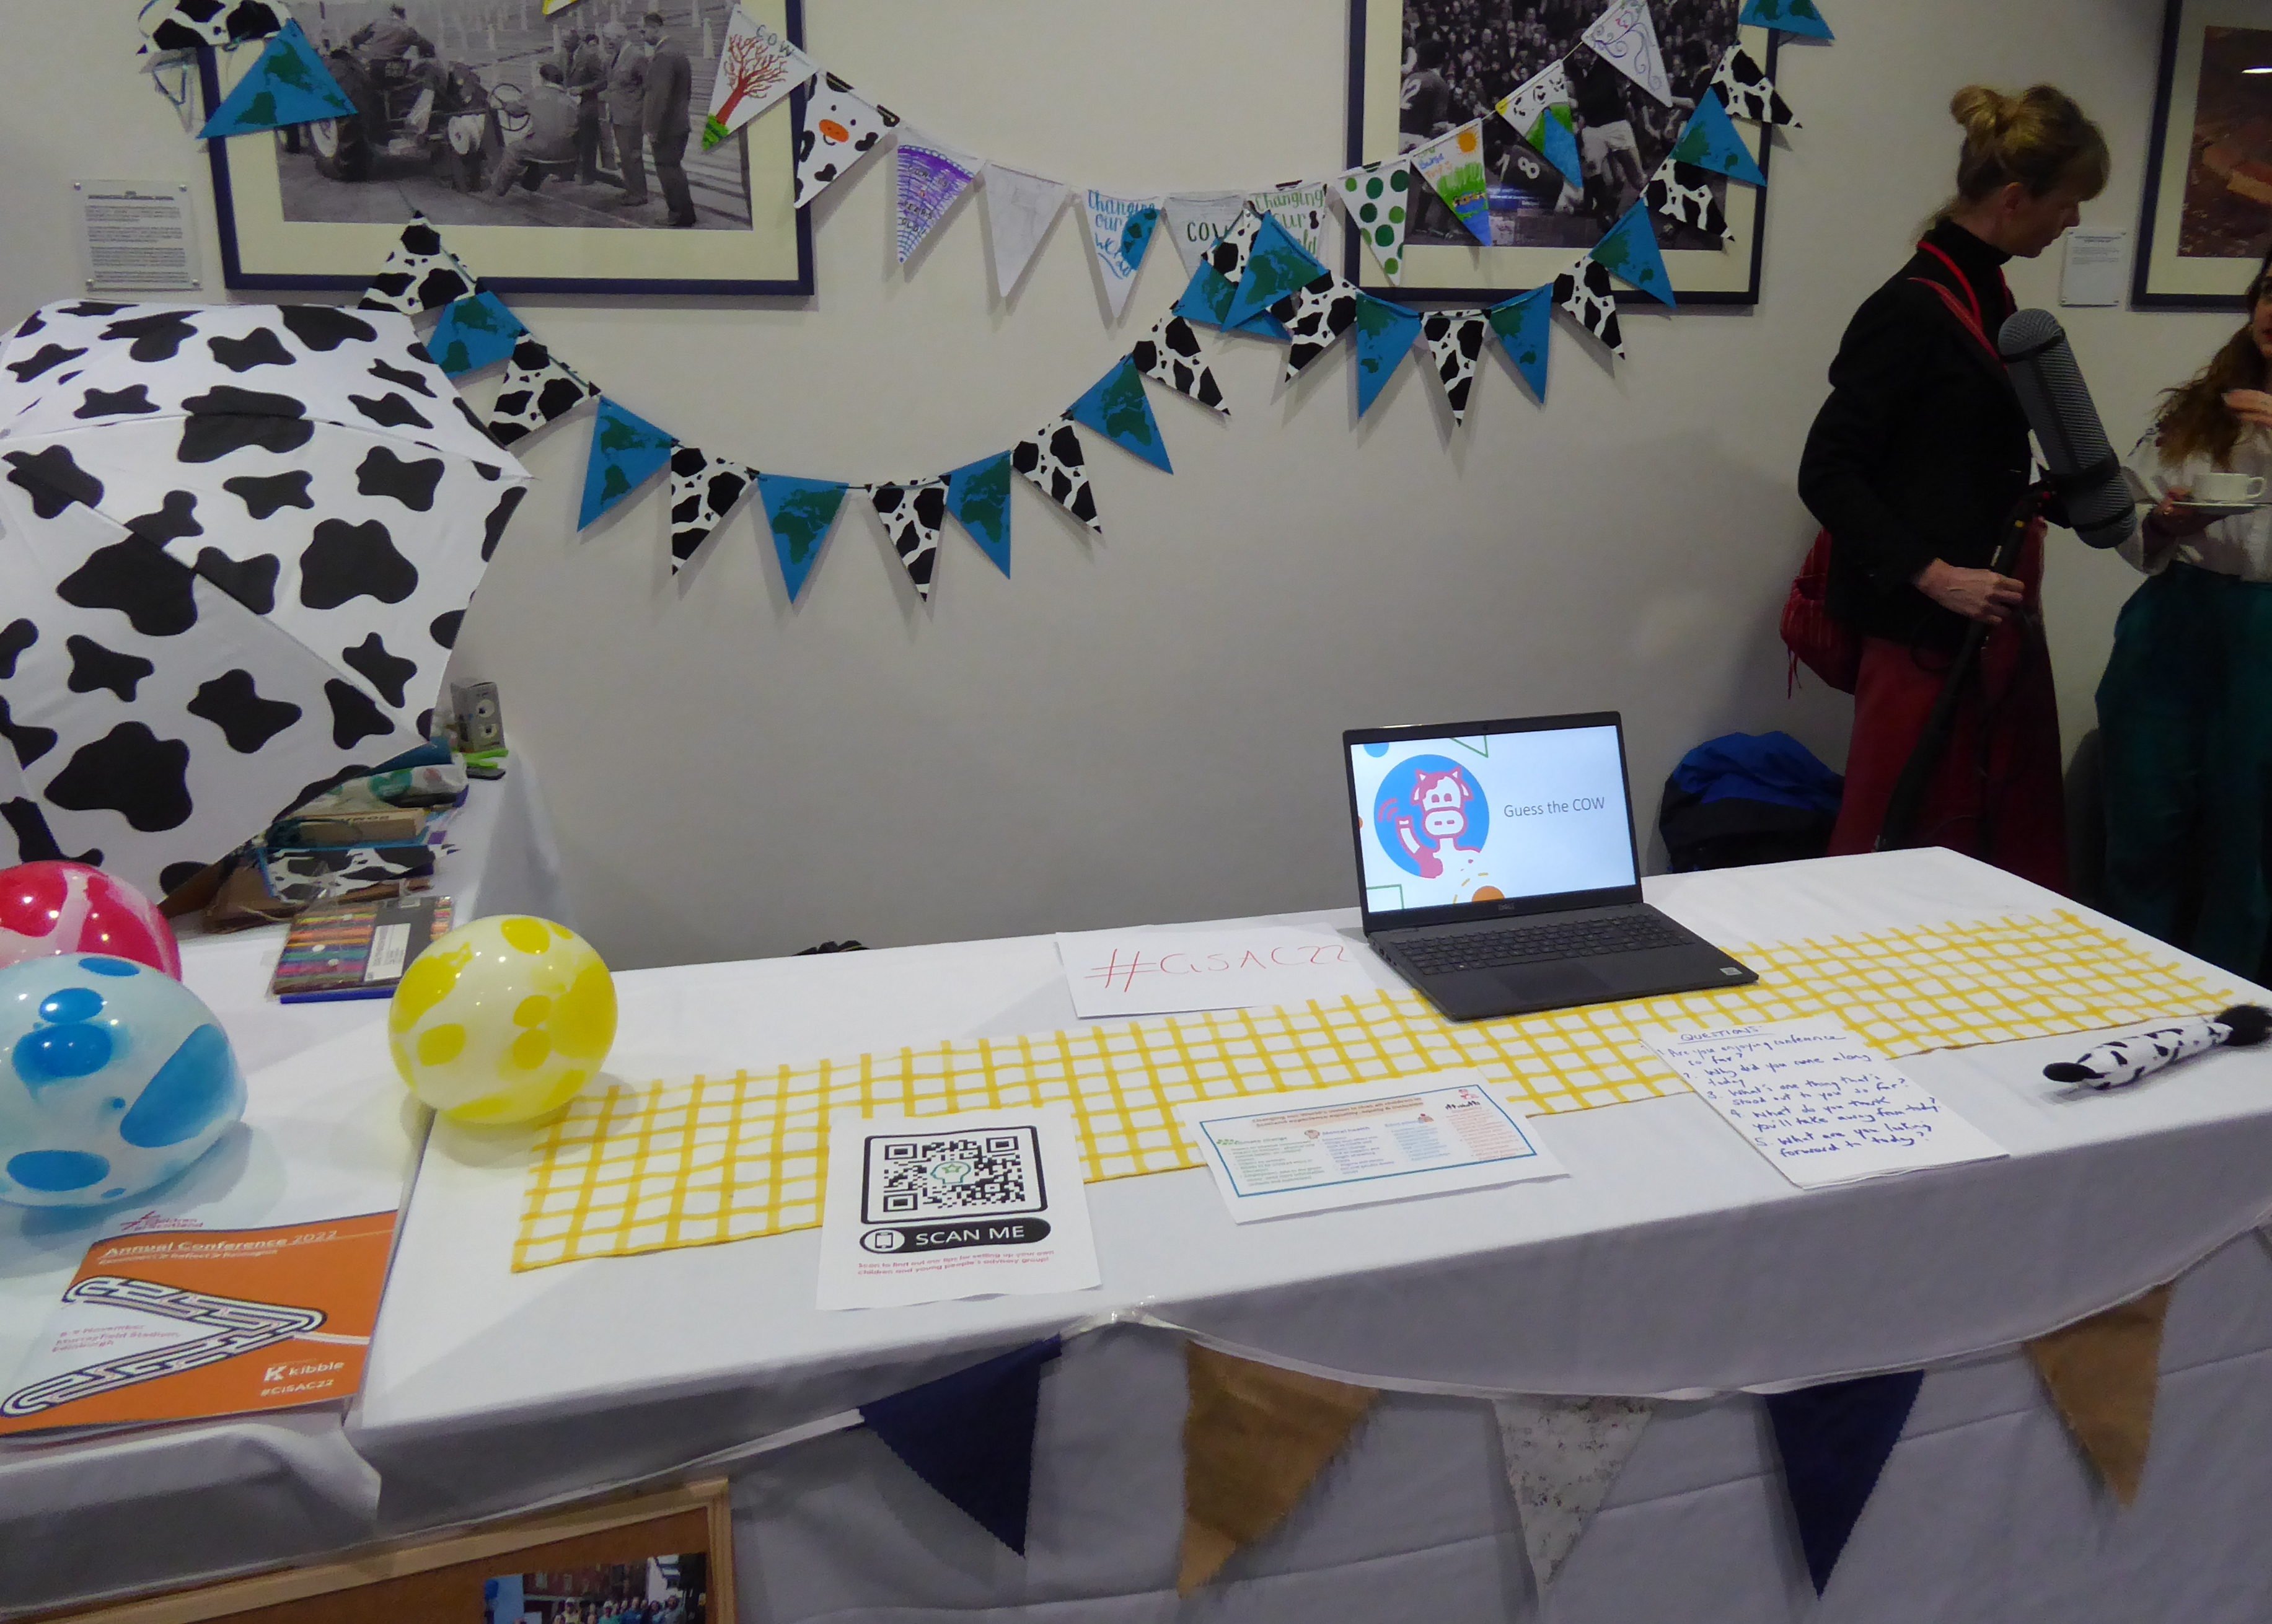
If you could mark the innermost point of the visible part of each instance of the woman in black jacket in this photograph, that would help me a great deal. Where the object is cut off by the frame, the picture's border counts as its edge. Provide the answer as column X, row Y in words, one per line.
column 1914, row 466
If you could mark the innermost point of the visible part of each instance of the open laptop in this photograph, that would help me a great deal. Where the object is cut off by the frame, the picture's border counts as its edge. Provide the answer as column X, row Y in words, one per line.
column 1498, row 871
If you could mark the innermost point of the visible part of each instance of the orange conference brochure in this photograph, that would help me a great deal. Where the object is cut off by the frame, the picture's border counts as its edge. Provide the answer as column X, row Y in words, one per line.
column 177, row 1325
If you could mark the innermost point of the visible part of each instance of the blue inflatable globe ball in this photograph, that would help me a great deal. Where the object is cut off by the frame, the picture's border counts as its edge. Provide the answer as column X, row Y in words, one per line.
column 113, row 1078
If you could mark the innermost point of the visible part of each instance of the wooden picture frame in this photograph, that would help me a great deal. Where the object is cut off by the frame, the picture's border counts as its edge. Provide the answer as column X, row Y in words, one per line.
column 436, row 1581
column 288, row 218
column 1465, row 271
column 2207, row 216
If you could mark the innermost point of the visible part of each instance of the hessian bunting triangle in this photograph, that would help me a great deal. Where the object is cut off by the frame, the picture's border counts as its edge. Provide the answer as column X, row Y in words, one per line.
column 970, row 1436
column 978, row 495
column 704, row 492
column 913, row 513
column 1115, row 408
column 2104, row 1373
column 1385, row 332
column 800, row 514
column 288, row 84
column 1834, row 1440
column 1562, row 1455
column 627, row 451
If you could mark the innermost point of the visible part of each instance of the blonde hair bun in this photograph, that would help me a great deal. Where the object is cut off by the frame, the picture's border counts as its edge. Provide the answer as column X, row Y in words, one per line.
column 2040, row 138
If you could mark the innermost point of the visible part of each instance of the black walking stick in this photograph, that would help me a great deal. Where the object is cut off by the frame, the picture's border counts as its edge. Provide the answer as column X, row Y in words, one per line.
column 1916, row 773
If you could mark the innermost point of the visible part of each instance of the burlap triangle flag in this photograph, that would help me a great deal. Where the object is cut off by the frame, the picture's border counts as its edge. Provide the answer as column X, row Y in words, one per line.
column 2102, row 1373
column 1255, row 1438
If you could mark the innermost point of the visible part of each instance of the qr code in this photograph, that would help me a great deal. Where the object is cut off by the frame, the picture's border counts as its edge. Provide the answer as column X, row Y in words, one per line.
column 911, row 1177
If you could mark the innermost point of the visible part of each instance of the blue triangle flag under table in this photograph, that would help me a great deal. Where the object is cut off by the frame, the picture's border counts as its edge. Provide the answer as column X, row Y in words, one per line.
column 800, row 513
column 289, row 85
column 1833, row 1440
column 1524, row 325
column 475, row 331
column 1385, row 332
column 1710, row 142
column 1116, row 408
column 978, row 495
column 970, row 1436
column 1276, row 265
column 1628, row 250
column 627, row 451
column 1790, row 16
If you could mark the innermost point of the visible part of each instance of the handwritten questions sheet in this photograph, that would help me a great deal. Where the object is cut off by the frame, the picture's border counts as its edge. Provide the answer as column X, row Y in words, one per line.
column 1114, row 972
column 1820, row 1103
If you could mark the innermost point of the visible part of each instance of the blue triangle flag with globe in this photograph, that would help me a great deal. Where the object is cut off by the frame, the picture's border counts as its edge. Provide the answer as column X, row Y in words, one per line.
column 978, row 495
column 627, row 451
column 1116, row 408
column 800, row 513
column 475, row 331
column 1276, row 265
column 1790, row 16
column 1384, row 331
column 1524, row 326
column 1710, row 142
column 1629, row 252
column 1557, row 144
column 289, row 85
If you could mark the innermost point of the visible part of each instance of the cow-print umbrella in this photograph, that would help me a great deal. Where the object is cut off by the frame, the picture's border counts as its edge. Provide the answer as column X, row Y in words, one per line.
column 235, row 544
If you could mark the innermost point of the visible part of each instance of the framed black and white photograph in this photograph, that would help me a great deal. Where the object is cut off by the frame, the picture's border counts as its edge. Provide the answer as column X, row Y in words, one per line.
column 1419, row 69
column 530, row 139
column 2207, row 220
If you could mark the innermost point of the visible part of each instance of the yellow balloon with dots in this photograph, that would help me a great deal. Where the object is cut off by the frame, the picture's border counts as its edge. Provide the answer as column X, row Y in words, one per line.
column 503, row 1020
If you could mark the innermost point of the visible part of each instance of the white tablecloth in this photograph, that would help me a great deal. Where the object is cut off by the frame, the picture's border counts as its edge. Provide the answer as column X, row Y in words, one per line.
column 1673, row 1260
column 86, row 1516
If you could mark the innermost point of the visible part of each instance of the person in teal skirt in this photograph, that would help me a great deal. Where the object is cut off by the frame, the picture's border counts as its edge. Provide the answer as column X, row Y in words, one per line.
column 2185, row 709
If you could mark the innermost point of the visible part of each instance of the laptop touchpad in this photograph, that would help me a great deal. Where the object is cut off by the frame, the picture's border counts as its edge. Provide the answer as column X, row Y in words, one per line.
column 1563, row 983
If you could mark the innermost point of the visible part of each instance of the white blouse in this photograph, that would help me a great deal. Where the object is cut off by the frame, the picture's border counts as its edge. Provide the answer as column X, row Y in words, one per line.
column 2240, row 545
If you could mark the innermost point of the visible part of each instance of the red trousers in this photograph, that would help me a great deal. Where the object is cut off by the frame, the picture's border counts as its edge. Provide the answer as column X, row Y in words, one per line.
column 1996, row 793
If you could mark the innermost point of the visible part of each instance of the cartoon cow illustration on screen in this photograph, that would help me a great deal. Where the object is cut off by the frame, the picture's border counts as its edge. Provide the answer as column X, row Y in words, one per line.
column 1440, row 845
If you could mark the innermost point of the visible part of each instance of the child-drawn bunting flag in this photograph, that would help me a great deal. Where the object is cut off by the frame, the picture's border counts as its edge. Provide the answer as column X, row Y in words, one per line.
column 1454, row 165
column 1385, row 332
column 1624, row 36
column 800, row 513
column 1746, row 91
column 1790, row 16
column 913, row 513
column 756, row 69
column 627, row 451
column 970, row 1436
column 1195, row 220
column 1524, row 325
column 1020, row 208
column 1171, row 354
column 1540, row 110
column 419, row 275
column 840, row 128
column 1710, row 142
column 1834, row 1441
column 1121, row 230
column 1115, row 406
column 1584, row 291
column 1051, row 457
column 538, row 389
column 1276, row 265
column 931, row 176
column 1684, row 196
column 287, row 86
column 475, row 332
column 1455, row 340
column 1630, row 251
column 1562, row 1455
column 1377, row 201
column 1314, row 315
column 704, row 490
column 978, row 495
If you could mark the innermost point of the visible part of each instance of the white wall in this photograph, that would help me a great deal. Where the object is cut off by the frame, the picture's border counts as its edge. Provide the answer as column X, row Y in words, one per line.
column 1146, row 730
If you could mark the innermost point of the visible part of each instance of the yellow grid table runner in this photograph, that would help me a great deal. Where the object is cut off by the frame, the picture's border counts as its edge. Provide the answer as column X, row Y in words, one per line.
column 714, row 1158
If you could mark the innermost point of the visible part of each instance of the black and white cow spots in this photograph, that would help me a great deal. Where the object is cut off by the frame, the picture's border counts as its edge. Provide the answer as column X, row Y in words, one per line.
column 1052, row 459
column 52, row 480
column 1171, row 354
column 17, row 635
column 1592, row 302
column 251, row 581
column 1455, row 340
column 238, row 707
column 329, row 873
column 912, row 516
column 1747, row 91
column 35, row 843
column 158, row 336
column 385, row 670
column 45, row 359
column 410, row 481
column 443, row 627
column 260, row 347
column 184, row 25
column 1682, row 194
column 344, row 560
column 227, row 418
column 320, row 328
column 537, row 389
column 174, row 517
column 129, row 770
column 29, row 742
column 419, row 275
column 354, row 718
column 30, row 324
column 1315, row 315
column 132, row 401
column 391, row 410
column 415, row 382
column 1230, row 250
column 704, row 490
column 155, row 593
column 264, row 494
column 95, row 666
column 500, row 515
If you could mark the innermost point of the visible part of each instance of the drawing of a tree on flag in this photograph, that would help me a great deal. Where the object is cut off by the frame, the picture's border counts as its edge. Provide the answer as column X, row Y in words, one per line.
column 756, row 69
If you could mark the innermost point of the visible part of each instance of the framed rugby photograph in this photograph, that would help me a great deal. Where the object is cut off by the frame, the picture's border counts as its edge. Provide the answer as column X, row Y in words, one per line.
column 2207, row 219
column 560, row 153
column 1419, row 69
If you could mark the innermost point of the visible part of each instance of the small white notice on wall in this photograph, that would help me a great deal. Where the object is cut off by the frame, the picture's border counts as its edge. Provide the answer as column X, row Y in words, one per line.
column 135, row 236
column 2095, row 261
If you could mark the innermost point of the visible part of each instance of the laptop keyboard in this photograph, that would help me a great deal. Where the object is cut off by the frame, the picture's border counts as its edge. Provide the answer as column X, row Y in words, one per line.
column 1488, row 949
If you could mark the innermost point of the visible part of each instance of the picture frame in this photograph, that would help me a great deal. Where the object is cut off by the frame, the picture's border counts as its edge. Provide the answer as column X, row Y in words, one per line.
column 446, row 1577
column 1462, row 270
column 2207, row 214
column 293, row 214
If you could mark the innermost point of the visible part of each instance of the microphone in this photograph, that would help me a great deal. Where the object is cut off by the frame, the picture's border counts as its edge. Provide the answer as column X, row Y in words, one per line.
column 2083, row 468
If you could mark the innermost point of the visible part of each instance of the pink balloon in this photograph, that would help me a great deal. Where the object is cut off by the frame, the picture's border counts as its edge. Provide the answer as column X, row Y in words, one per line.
column 55, row 907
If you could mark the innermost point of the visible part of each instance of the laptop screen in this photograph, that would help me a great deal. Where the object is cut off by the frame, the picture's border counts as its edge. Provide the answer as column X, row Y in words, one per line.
column 1521, row 811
